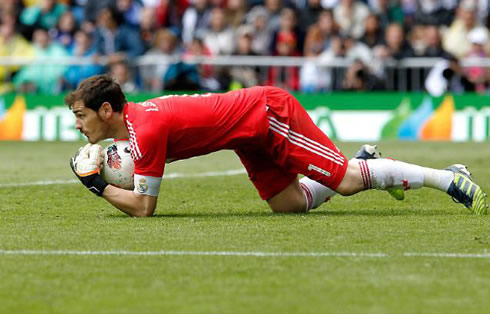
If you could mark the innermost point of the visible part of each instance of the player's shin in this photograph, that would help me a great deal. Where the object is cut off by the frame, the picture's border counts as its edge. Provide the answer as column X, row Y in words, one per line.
column 315, row 193
column 387, row 173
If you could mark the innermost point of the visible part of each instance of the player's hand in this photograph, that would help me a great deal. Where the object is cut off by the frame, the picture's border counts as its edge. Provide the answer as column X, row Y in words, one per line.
column 86, row 166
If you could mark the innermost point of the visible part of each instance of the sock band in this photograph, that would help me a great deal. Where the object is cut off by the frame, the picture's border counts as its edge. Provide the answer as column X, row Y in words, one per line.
column 366, row 177
column 308, row 196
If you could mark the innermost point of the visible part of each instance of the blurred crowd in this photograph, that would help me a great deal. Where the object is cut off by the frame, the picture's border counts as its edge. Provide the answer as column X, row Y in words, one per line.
column 370, row 34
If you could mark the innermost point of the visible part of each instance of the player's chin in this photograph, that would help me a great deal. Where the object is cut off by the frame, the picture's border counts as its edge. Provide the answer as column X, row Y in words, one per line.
column 91, row 140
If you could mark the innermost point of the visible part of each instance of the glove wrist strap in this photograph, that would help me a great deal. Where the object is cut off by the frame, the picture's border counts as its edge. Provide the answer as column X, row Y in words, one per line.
column 97, row 185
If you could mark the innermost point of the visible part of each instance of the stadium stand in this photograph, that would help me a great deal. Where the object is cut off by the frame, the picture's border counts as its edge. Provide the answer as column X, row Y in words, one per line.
column 301, row 45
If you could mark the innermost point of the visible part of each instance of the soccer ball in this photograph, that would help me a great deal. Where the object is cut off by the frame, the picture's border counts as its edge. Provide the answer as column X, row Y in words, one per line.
column 118, row 168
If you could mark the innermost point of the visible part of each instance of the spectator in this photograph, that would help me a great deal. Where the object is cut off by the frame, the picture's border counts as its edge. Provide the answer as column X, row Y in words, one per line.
column 319, row 38
column 45, row 15
column 262, row 36
column 273, row 8
column 478, row 75
column 195, row 17
column 115, row 40
column 359, row 78
column 65, row 31
column 347, row 47
column 455, row 38
column 288, row 24
column 409, row 7
column 433, row 43
column 82, row 48
column 169, row 12
column 283, row 76
column 165, row 47
column 320, row 34
column 236, row 12
column 432, row 12
column 131, row 11
column 350, row 49
column 310, row 14
column 121, row 73
column 447, row 76
column 11, row 44
column 39, row 76
column 195, row 77
column 77, row 8
column 148, row 26
column 416, row 37
column 244, row 76
column 93, row 8
column 388, row 12
column 373, row 34
column 9, row 5
column 395, row 46
column 350, row 15
column 219, row 38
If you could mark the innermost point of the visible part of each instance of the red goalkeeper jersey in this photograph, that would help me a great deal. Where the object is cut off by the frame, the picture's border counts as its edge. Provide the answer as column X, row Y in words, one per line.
column 176, row 127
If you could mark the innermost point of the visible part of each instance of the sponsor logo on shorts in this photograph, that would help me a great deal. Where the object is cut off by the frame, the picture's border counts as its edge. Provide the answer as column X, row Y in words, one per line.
column 317, row 169
column 142, row 185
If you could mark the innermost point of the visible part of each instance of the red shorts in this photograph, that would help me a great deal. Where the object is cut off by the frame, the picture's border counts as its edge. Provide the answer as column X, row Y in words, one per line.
column 293, row 145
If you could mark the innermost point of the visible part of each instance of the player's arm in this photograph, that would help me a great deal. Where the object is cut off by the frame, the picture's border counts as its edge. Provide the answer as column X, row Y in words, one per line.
column 85, row 165
column 129, row 202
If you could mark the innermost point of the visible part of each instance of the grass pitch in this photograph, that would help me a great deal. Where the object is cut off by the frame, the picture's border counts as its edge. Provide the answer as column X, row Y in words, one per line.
column 366, row 241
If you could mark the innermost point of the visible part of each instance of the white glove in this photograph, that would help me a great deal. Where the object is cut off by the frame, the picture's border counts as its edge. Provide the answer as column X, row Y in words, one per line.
column 88, row 160
column 86, row 166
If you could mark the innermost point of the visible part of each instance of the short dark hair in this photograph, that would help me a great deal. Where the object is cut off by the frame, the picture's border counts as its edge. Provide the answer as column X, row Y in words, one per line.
column 96, row 90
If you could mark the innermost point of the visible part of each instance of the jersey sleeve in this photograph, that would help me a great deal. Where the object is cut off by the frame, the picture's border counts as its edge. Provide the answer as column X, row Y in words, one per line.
column 150, row 152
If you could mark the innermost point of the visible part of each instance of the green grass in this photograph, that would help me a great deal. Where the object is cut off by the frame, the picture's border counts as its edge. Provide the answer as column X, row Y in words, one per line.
column 226, row 214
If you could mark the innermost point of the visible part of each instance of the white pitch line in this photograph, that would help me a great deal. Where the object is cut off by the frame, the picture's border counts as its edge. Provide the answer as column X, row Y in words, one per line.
column 448, row 255
column 243, row 254
column 175, row 175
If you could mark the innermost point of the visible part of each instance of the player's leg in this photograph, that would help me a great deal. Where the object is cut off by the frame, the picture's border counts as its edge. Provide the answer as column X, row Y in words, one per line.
column 276, row 185
column 317, row 193
column 298, row 145
column 290, row 200
column 386, row 173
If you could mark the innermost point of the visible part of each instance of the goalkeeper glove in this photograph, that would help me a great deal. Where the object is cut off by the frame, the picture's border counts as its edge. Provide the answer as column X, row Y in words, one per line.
column 85, row 165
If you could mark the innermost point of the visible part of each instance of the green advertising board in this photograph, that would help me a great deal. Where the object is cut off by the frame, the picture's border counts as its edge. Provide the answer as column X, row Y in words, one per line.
column 342, row 116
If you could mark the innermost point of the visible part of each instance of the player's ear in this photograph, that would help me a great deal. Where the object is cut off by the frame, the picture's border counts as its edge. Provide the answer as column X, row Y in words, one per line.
column 105, row 110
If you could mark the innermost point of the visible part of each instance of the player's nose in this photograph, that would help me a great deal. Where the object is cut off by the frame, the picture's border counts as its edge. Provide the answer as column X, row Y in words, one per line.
column 78, row 125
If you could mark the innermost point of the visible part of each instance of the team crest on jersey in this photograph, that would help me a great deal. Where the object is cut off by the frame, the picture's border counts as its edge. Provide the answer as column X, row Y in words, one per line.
column 113, row 158
column 142, row 185
column 149, row 106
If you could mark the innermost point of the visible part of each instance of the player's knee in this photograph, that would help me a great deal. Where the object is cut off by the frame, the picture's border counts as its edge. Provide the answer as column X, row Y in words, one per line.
column 290, row 208
column 289, row 200
column 288, row 203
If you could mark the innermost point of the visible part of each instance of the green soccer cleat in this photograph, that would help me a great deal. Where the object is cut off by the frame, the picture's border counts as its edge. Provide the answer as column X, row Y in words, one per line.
column 399, row 195
column 463, row 190
column 371, row 152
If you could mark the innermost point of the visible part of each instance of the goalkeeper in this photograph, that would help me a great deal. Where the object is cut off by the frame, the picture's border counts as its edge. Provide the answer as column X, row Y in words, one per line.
column 268, row 129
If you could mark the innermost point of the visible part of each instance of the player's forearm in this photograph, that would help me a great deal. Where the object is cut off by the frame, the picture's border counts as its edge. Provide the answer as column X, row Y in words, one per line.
column 129, row 202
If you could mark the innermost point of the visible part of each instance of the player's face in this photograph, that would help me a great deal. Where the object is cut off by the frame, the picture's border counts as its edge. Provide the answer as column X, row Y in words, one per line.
column 89, row 123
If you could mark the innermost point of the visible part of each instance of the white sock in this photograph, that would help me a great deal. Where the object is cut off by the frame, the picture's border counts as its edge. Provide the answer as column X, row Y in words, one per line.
column 387, row 173
column 315, row 193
